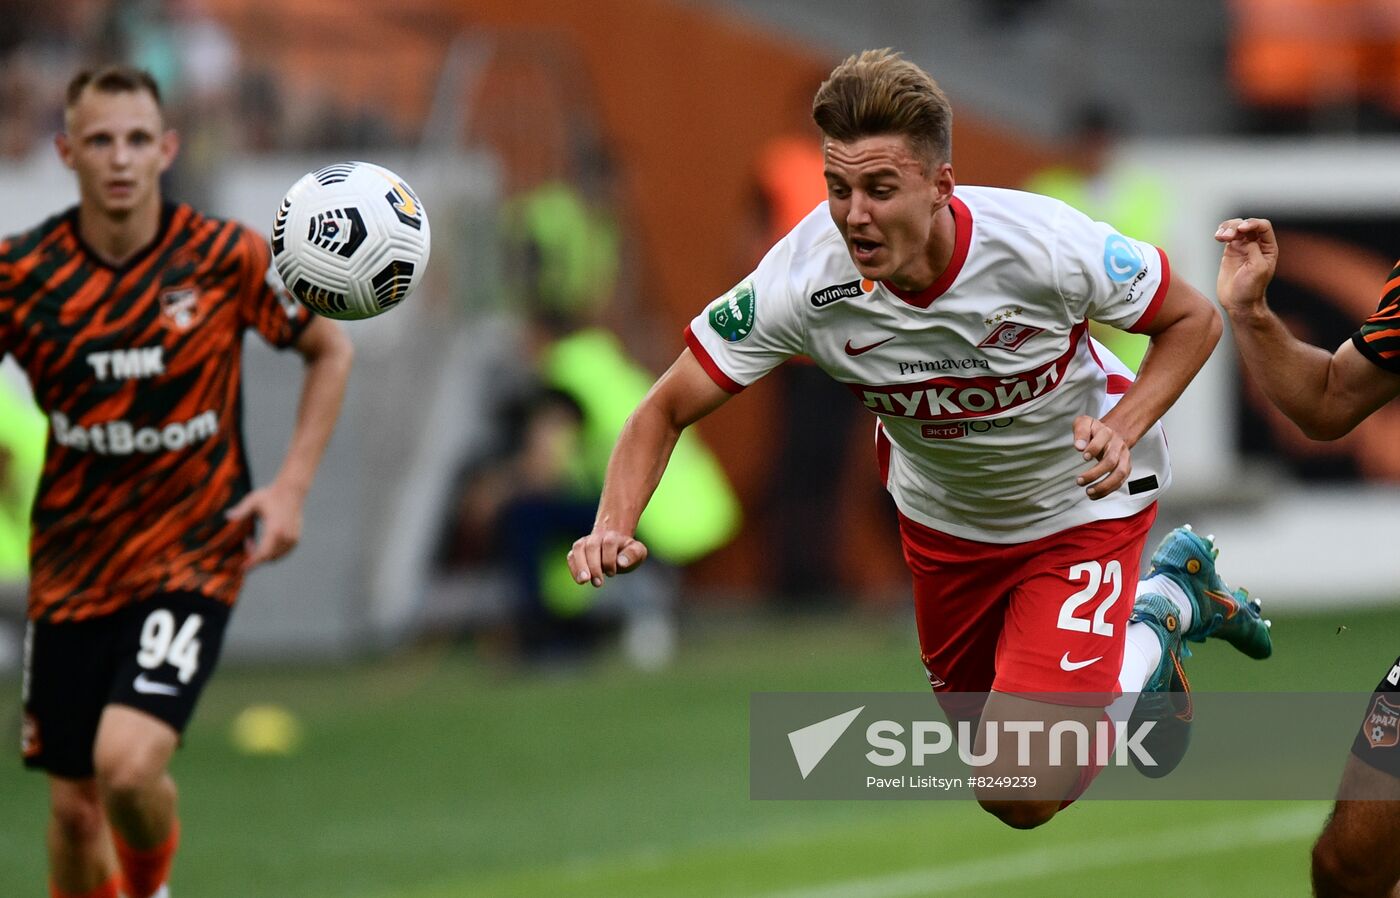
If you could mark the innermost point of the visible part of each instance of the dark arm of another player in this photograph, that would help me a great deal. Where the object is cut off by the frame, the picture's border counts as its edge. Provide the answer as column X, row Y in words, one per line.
column 328, row 353
column 1325, row 394
column 682, row 396
column 1183, row 333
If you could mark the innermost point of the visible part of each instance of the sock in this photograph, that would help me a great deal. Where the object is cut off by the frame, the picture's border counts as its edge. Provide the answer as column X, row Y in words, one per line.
column 145, row 871
column 1164, row 585
column 106, row 890
column 1141, row 656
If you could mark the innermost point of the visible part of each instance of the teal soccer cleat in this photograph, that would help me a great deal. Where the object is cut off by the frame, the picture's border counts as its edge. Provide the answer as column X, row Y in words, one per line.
column 1166, row 696
column 1188, row 559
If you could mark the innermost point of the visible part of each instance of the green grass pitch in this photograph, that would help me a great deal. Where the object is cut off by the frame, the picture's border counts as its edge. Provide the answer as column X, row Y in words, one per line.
column 434, row 775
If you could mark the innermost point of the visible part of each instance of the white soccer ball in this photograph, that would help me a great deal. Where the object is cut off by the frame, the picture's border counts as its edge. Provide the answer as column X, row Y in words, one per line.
column 351, row 240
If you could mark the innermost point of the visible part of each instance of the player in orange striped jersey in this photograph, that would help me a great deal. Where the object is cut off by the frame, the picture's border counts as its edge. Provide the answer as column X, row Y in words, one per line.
column 127, row 313
column 1326, row 395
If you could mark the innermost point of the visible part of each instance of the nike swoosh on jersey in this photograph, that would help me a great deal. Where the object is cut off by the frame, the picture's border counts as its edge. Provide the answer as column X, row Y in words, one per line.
column 1066, row 664
column 151, row 687
column 858, row 350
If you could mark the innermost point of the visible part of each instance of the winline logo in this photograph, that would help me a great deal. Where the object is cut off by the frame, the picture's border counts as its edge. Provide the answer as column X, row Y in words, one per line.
column 893, row 744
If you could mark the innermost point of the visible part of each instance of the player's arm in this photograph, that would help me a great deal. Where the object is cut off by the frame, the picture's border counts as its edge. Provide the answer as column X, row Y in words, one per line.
column 682, row 396
column 1183, row 332
column 328, row 353
column 1325, row 394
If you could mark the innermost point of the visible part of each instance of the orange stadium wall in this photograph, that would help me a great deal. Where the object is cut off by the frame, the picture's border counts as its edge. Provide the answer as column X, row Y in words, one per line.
column 685, row 99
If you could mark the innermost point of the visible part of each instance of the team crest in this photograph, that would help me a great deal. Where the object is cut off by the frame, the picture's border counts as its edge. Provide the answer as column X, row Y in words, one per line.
column 181, row 306
column 1382, row 724
column 1009, row 335
column 732, row 315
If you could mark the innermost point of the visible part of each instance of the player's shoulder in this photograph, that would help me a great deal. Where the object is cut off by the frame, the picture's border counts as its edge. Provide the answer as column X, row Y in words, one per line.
column 15, row 247
column 813, row 248
column 1005, row 208
column 222, row 241
column 193, row 221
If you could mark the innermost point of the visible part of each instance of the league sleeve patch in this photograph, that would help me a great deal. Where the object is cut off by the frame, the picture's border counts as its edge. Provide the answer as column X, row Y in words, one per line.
column 732, row 315
column 1121, row 259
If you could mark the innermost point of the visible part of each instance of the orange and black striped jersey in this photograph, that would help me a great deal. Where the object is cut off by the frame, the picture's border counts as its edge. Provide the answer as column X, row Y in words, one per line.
column 138, row 368
column 1378, row 338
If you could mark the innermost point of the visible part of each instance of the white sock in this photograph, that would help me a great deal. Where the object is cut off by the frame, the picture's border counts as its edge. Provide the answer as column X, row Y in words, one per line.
column 1141, row 655
column 1166, row 586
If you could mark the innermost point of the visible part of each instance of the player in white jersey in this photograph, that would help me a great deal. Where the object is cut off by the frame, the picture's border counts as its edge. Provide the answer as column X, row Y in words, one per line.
column 1024, row 462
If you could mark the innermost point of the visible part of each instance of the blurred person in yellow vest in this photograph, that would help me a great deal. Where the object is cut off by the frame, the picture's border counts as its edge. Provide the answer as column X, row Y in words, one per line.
column 23, row 431
column 563, row 242
column 1130, row 199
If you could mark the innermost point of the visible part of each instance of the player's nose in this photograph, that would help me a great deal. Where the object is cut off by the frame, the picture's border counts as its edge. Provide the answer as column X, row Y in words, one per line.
column 859, row 211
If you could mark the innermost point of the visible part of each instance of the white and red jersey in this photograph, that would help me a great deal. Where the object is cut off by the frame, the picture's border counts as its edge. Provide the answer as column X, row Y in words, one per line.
column 978, row 379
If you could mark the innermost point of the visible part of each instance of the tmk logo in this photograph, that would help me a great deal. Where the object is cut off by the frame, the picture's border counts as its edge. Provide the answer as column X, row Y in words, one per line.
column 128, row 364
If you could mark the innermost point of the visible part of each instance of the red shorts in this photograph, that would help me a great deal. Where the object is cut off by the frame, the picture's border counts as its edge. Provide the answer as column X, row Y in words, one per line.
column 1044, row 616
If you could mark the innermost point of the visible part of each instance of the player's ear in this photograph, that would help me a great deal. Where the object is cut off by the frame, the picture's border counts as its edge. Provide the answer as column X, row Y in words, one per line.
column 943, row 181
column 64, row 146
column 169, row 147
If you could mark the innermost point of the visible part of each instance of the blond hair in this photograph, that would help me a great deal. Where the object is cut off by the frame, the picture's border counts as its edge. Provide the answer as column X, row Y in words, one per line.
column 879, row 92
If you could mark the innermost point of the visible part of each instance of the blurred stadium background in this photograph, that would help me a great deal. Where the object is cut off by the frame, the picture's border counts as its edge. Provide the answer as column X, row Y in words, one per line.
column 605, row 168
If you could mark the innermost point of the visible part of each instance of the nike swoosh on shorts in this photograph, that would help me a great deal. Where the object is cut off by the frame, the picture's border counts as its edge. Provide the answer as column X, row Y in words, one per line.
column 151, row 687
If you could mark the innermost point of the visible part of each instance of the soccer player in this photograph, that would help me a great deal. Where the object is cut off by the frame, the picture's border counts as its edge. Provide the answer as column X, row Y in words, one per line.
column 1326, row 395
column 1024, row 461
column 128, row 315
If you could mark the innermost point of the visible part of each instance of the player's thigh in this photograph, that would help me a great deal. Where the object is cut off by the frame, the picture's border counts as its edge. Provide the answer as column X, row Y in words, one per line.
column 1029, row 749
column 1357, row 849
column 169, row 647
column 961, row 588
column 133, row 749
column 64, row 686
column 1067, row 621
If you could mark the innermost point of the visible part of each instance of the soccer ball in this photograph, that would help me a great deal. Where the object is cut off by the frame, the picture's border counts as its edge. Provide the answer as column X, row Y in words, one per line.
column 351, row 240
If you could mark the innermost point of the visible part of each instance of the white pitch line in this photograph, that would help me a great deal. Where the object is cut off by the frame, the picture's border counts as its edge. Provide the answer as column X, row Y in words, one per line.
column 1181, row 843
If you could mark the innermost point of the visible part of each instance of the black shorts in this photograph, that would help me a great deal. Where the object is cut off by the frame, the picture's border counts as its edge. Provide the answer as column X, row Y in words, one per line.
column 1378, row 742
column 154, row 655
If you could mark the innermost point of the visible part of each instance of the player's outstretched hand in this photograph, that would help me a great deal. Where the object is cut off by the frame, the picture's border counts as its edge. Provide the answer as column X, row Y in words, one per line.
column 605, row 553
column 278, row 513
column 1247, row 264
column 1100, row 441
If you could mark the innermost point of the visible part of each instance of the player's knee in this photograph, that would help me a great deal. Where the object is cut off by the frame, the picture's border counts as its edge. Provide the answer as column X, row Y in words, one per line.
column 1338, row 872
column 77, row 819
column 1020, row 814
column 127, row 775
